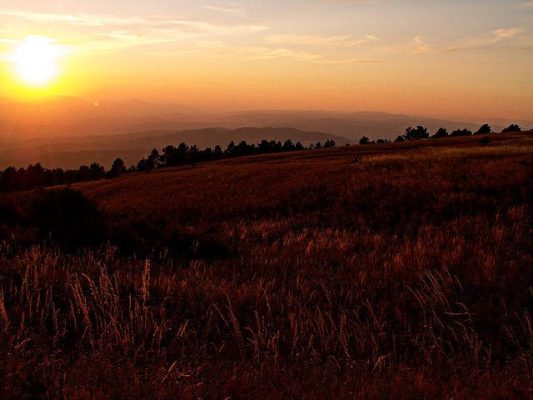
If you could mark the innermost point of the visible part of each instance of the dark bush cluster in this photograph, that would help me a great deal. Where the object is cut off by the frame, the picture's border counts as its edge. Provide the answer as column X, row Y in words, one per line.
column 68, row 217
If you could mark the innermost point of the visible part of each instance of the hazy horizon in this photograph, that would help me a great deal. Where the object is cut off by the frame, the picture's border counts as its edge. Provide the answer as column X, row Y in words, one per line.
column 186, row 109
column 67, row 132
column 464, row 60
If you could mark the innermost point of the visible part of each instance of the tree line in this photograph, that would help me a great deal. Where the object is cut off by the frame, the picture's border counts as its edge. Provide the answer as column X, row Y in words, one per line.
column 36, row 176
column 421, row 132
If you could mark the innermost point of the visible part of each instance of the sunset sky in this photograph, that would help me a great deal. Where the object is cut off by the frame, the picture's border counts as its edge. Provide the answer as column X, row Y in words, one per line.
column 455, row 59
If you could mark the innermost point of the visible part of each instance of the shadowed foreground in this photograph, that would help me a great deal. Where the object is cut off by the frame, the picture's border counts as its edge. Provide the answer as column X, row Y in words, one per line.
column 396, row 271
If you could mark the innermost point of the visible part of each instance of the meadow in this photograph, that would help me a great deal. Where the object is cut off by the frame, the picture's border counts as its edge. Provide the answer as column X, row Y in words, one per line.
column 382, row 271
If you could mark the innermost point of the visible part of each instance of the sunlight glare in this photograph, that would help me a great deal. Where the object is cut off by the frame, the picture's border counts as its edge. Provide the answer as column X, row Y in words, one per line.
column 36, row 60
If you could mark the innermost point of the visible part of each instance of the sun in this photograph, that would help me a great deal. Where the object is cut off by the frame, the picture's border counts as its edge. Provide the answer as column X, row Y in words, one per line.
column 36, row 60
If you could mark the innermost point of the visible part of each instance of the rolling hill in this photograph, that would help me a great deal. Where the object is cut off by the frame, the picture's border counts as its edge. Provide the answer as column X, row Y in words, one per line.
column 383, row 271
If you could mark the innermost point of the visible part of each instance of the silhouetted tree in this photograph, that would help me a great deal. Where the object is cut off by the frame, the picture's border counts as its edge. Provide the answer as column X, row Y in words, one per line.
column 118, row 166
column 441, row 133
column 416, row 133
column 153, row 160
column 8, row 180
column 264, row 146
column 484, row 130
column 37, row 176
column 142, row 165
column 399, row 139
column 329, row 144
column 364, row 140
column 169, row 156
column 513, row 128
column 231, row 148
column 461, row 132
column 183, row 148
column 288, row 145
column 243, row 149
column 97, row 169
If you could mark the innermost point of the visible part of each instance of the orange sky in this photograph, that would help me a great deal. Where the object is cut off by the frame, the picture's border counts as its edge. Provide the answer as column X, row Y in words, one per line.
column 466, row 59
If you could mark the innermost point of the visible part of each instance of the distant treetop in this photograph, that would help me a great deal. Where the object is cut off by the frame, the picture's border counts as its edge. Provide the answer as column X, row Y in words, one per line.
column 364, row 140
column 513, row 128
column 484, row 130
column 416, row 133
column 442, row 132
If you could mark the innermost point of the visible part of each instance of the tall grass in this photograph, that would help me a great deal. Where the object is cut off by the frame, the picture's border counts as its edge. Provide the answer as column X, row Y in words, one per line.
column 404, row 274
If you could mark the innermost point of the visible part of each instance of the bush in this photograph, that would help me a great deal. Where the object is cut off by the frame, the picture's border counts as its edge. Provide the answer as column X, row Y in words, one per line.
column 70, row 218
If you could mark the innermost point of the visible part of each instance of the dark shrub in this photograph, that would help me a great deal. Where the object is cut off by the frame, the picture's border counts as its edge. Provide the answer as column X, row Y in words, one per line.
column 71, row 219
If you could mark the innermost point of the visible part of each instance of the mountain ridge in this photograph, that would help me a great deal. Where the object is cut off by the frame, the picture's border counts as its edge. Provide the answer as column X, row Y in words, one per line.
column 71, row 152
column 60, row 130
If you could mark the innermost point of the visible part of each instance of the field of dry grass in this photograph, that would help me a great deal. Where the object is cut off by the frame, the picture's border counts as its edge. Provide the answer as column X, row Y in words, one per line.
column 389, row 271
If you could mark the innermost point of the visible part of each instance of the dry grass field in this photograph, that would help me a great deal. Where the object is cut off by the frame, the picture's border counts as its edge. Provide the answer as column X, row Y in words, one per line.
column 397, row 271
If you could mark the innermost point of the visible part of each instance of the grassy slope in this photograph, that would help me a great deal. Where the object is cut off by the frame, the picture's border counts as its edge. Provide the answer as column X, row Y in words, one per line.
column 394, row 271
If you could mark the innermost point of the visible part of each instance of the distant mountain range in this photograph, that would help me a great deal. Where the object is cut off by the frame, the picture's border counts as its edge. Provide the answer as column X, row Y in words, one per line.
column 67, row 131
column 352, row 125
column 71, row 152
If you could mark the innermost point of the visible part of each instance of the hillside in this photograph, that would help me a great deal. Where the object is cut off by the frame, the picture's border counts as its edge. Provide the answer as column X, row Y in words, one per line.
column 382, row 271
column 278, row 184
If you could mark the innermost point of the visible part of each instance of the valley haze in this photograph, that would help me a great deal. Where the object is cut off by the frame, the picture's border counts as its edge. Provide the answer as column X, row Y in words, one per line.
column 67, row 132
